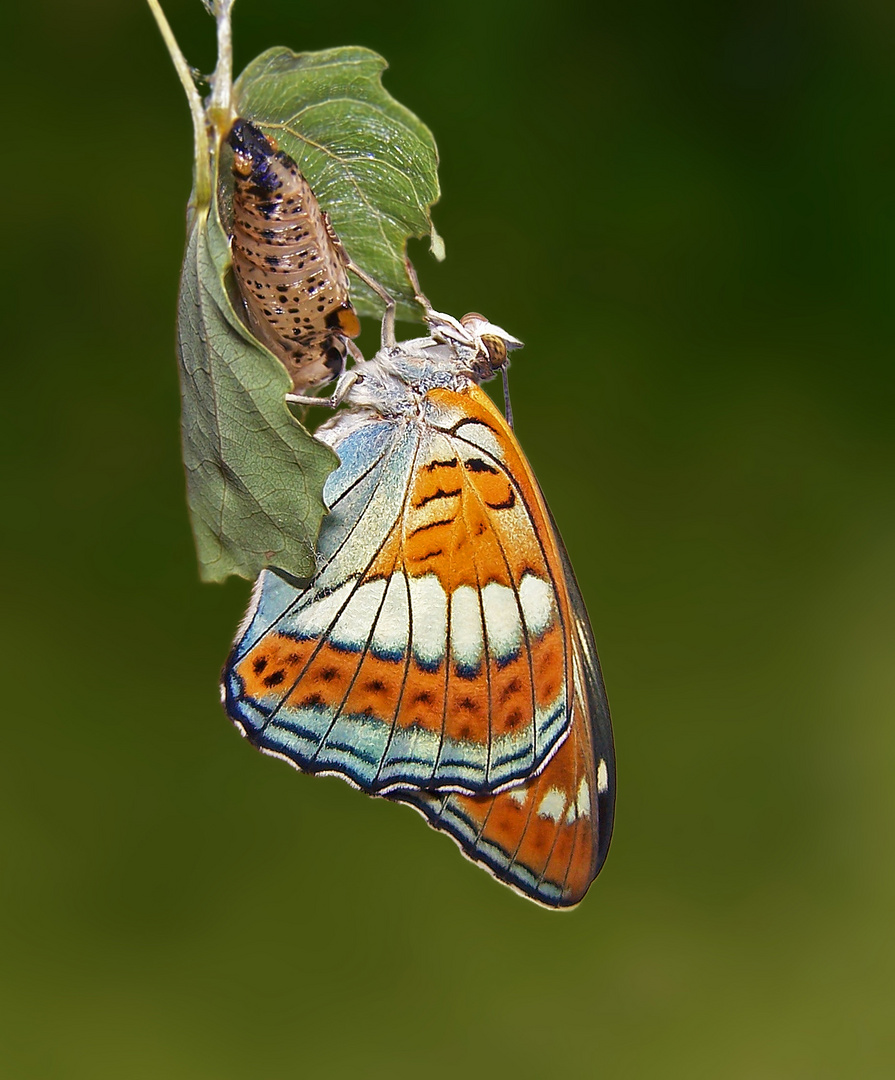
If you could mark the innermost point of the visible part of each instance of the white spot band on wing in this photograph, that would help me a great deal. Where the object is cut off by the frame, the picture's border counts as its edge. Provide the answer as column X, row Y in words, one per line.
column 393, row 624
column 502, row 622
column 582, row 799
column 315, row 617
column 355, row 622
column 602, row 777
column 538, row 604
column 552, row 805
column 429, row 607
column 467, row 642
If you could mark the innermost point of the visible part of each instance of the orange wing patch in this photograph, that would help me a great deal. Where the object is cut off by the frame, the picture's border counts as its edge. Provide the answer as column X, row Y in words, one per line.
column 449, row 650
column 539, row 837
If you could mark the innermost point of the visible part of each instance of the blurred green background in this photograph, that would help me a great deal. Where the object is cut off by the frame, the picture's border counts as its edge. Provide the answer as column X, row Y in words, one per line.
column 686, row 212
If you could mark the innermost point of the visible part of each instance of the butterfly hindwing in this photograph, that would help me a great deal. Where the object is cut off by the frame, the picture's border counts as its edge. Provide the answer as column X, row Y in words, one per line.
column 433, row 648
column 547, row 837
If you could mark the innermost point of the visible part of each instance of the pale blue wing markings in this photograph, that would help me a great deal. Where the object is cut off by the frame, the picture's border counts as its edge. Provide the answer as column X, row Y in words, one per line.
column 408, row 656
column 272, row 599
column 344, row 731
column 372, row 631
column 337, row 713
column 346, row 525
column 290, row 620
column 347, row 513
column 359, row 452
column 272, row 716
column 323, row 636
column 273, row 584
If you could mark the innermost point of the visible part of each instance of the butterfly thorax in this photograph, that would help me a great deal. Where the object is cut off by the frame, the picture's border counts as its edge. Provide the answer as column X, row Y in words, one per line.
column 397, row 380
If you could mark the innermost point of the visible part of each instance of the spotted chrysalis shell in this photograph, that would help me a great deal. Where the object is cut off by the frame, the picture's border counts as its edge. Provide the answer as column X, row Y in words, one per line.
column 288, row 263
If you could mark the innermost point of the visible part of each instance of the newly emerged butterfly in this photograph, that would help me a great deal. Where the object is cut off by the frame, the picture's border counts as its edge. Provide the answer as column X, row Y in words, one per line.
column 288, row 263
column 441, row 656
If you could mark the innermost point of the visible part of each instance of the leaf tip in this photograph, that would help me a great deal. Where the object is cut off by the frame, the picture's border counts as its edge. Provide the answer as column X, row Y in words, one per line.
column 436, row 244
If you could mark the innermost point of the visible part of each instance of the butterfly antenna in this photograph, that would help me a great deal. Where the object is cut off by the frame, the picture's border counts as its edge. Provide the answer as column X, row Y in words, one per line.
column 418, row 293
column 507, row 405
column 388, row 317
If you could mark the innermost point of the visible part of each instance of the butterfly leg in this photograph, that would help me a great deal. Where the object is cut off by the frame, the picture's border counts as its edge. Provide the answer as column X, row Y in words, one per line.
column 418, row 293
column 388, row 318
column 444, row 328
column 346, row 380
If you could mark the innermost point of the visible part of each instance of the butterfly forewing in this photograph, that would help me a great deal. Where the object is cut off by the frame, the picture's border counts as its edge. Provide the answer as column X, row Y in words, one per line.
column 433, row 649
column 548, row 837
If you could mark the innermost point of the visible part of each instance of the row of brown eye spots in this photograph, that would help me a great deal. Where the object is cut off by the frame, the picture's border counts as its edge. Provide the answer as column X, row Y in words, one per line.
column 270, row 667
column 511, row 695
column 466, row 715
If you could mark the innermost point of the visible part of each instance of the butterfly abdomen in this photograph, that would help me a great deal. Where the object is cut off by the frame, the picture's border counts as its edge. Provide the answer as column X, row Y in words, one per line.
column 288, row 263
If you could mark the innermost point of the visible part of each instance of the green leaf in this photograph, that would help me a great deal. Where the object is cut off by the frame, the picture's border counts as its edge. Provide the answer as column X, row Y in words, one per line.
column 371, row 162
column 254, row 475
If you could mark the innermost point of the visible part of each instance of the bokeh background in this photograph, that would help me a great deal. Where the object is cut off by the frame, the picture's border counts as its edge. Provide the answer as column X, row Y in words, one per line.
column 686, row 212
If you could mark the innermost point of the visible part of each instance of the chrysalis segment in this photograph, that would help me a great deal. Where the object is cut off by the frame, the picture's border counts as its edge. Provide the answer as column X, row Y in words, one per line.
column 288, row 263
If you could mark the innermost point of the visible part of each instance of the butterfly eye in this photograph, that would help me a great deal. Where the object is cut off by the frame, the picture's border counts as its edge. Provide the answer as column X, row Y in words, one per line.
column 497, row 349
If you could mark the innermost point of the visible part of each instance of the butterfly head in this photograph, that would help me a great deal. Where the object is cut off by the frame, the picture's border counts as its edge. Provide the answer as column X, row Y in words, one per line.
column 481, row 343
column 492, row 342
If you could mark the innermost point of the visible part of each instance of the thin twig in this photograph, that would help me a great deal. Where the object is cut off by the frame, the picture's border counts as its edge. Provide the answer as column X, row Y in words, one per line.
column 202, row 191
column 221, row 103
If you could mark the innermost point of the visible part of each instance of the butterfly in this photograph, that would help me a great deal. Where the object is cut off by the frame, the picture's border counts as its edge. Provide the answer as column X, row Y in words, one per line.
column 441, row 656
column 289, row 265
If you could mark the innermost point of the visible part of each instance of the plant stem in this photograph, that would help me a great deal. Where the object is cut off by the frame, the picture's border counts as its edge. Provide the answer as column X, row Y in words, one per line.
column 202, row 189
column 221, row 104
